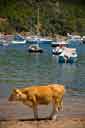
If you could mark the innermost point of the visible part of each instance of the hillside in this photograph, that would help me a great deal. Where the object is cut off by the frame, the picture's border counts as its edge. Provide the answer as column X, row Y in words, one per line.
column 55, row 16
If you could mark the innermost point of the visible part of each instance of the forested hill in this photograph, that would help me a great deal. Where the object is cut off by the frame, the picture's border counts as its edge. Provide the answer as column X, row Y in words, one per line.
column 55, row 16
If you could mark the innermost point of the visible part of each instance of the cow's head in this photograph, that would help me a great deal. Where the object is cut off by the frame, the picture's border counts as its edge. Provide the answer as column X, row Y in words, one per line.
column 16, row 95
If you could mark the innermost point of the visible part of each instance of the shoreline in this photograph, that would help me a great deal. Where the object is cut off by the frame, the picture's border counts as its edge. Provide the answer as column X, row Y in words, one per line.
column 59, row 123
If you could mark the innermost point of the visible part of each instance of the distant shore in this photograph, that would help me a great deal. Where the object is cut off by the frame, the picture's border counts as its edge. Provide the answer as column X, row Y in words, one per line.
column 25, row 34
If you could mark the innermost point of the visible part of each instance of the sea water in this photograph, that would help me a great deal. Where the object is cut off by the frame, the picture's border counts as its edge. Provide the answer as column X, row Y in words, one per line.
column 19, row 68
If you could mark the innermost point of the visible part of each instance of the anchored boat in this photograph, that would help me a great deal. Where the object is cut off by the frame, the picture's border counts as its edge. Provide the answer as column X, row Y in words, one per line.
column 59, row 43
column 18, row 39
column 35, row 48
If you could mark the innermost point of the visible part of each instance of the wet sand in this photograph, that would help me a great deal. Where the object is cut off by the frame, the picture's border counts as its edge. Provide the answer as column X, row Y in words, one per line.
column 16, row 115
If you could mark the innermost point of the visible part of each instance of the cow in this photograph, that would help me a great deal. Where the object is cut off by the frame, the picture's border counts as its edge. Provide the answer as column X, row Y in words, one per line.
column 34, row 95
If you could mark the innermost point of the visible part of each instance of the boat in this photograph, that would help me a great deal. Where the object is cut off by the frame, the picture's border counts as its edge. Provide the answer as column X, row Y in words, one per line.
column 60, row 43
column 58, row 46
column 18, row 42
column 69, row 55
column 35, row 39
column 73, row 37
column 35, row 48
column 57, row 51
column 5, row 39
column 45, row 40
column 5, row 43
column 18, row 39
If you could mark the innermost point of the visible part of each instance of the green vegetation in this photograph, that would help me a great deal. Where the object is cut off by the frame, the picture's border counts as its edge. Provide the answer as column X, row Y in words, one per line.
column 56, row 16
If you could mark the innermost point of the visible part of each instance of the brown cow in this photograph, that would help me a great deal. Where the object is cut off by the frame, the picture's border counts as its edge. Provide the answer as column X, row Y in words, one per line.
column 34, row 95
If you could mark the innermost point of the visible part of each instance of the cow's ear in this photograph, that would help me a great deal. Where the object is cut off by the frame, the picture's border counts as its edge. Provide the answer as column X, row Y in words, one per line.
column 18, row 91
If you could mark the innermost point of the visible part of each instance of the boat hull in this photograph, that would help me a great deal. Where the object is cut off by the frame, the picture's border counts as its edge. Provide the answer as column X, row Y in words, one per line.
column 18, row 42
column 56, row 53
column 39, row 50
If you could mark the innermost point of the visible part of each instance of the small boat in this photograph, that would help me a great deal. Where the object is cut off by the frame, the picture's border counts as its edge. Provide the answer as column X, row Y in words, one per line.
column 5, row 39
column 35, row 39
column 60, row 43
column 45, row 40
column 18, row 39
column 4, row 42
column 18, row 42
column 69, row 55
column 35, row 48
column 57, row 50
column 74, row 37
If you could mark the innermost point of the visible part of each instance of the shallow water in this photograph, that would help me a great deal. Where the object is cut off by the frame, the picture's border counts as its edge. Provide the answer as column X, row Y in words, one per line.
column 18, row 68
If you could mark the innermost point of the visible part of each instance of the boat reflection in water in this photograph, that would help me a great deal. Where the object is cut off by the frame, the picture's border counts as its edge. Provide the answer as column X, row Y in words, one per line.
column 69, row 55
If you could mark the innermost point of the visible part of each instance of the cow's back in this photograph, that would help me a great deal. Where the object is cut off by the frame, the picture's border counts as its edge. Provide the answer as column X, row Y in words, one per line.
column 42, row 94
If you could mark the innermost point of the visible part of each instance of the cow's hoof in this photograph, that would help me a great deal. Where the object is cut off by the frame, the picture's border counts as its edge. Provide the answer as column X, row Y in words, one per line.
column 54, row 117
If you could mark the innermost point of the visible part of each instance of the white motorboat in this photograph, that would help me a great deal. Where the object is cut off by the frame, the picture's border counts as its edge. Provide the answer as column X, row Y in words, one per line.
column 74, row 37
column 5, row 39
column 18, row 39
column 69, row 55
column 32, row 39
column 36, row 39
column 18, row 42
column 43, row 39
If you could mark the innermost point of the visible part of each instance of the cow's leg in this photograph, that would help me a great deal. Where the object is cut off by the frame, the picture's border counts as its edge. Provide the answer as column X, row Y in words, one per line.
column 60, row 104
column 54, row 109
column 35, row 111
